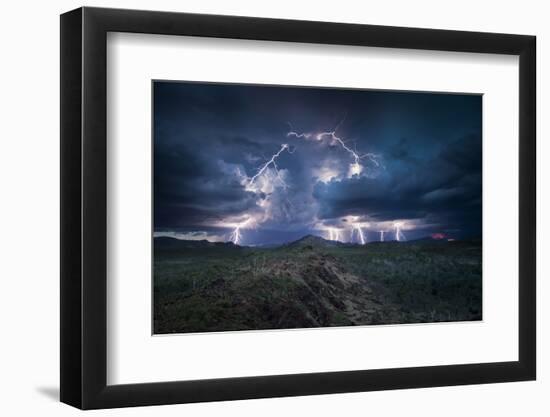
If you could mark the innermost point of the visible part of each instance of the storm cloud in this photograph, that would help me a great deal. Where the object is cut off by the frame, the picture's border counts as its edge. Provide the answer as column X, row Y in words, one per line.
column 420, row 161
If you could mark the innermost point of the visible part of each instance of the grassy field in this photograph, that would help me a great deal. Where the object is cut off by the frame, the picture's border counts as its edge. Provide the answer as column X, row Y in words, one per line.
column 201, row 286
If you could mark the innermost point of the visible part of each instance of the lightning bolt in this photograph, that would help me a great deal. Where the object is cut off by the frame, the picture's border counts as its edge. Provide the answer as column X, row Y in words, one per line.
column 297, row 135
column 381, row 235
column 360, row 234
column 271, row 161
column 334, row 234
column 236, row 237
column 356, row 167
column 398, row 233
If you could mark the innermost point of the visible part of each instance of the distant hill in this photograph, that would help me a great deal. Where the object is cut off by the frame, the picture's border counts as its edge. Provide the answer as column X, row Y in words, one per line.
column 165, row 242
column 427, row 240
column 314, row 242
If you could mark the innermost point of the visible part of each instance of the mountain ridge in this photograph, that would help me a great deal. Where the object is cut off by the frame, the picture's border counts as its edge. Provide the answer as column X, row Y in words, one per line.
column 313, row 241
column 309, row 240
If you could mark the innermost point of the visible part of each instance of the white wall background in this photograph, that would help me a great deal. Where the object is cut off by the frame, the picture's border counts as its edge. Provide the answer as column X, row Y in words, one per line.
column 29, row 176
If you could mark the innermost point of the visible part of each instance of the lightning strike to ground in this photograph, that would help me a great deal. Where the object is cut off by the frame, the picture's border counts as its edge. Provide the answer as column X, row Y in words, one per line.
column 236, row 234
column 360, row 234
column 334, row 234
column 399, row 236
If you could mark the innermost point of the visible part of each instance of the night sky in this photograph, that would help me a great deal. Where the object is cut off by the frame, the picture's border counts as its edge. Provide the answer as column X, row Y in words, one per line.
column 354, row 161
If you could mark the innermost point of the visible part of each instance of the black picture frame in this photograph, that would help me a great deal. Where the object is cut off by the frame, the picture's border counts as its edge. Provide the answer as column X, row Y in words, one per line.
column 84, row 207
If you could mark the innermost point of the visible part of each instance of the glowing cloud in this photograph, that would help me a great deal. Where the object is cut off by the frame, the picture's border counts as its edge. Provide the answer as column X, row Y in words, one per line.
column 356, row 167
column 334, row 234
column 272, row 162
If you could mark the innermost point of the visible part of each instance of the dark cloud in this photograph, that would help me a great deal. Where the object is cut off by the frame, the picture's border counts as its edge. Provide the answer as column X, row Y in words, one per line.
column 445, row 188
column 191, row 187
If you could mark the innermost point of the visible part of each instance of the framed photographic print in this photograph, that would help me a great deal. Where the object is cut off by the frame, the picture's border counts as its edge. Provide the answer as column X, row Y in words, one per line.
column 257, row 208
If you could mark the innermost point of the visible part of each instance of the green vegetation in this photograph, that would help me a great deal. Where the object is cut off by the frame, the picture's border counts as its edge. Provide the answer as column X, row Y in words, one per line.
column 201, row 286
